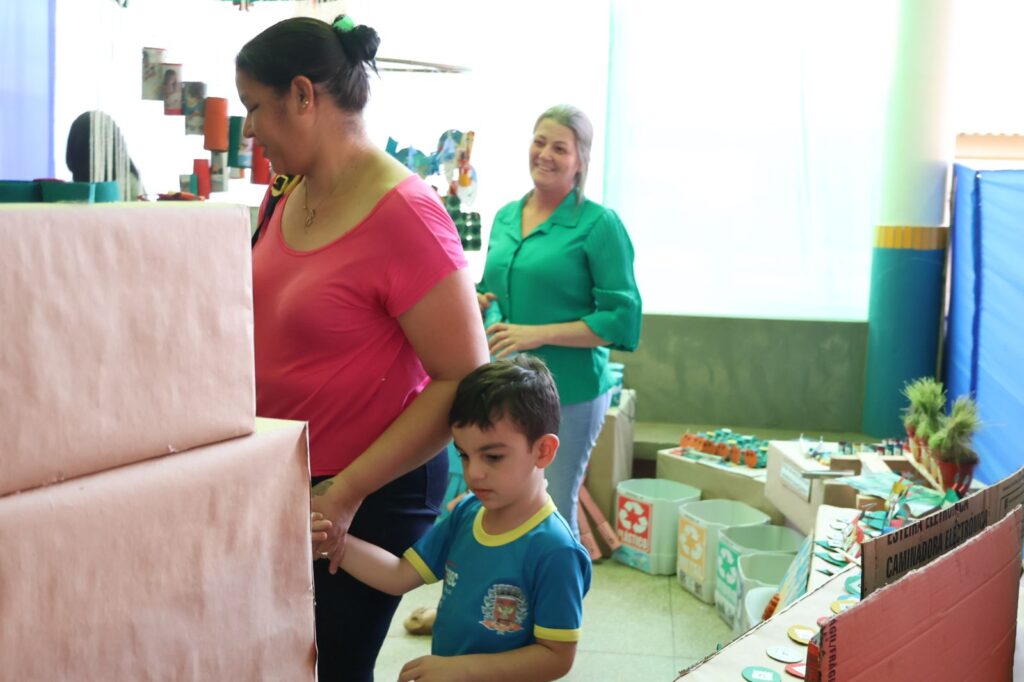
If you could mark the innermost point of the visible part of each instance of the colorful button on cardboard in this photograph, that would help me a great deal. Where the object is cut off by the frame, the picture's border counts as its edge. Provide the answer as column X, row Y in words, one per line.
column 756, row 673
column 848, row 598
column 801, row 634
column 797, row 670
column 839, row 606
column 785, row 654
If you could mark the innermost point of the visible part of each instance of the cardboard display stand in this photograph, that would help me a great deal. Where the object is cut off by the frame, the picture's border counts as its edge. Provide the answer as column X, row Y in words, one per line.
column 716, row 482
column 750, row 649
column 191, row 566
column 955, row 619
column 823, row 528
column 892, row 556
column 128, row 334
column 798, row 497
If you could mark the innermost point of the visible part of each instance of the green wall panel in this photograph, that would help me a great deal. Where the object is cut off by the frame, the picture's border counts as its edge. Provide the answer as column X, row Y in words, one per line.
column 789, row 374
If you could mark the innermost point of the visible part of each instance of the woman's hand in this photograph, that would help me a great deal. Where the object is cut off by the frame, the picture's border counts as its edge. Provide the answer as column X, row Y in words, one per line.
column 335, row 504
column 484, row 300
column 505, row 338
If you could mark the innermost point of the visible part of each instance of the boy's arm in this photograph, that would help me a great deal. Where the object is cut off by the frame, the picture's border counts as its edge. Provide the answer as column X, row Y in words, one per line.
column 540, row 662
column 379, row 568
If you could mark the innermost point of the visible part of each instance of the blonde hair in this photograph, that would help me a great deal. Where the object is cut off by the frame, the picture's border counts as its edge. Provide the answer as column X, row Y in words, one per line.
column 582, row 129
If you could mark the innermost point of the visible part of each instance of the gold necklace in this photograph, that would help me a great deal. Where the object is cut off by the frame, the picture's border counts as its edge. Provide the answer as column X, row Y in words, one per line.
column 311, row 212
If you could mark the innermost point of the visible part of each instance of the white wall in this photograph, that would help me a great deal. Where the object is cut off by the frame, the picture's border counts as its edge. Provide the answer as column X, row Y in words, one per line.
column 523, row 58
column 99, row 65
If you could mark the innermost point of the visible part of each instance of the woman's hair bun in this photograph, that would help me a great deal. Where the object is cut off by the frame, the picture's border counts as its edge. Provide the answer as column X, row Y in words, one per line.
column 360, row 42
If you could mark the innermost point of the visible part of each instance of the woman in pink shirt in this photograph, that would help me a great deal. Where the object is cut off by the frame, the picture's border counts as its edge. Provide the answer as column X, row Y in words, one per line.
column 365, row 316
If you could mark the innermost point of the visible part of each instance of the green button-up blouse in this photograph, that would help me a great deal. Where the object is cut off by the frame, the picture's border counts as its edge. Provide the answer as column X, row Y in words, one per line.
column 577, row 265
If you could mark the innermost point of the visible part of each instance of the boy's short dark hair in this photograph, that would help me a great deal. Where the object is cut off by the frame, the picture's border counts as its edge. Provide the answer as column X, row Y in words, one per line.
column 521, row 389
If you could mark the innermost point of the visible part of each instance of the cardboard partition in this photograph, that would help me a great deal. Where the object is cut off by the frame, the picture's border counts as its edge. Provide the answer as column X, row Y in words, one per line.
column 743, row 485
column 827, row 515
column 798, row 498
column 611, row 460
column 750, row 649
column 891, row 556
column 195, row 566
column 127, row 334
column 955, row 619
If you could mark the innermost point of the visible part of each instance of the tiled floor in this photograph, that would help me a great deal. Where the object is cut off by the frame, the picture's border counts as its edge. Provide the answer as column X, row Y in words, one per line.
column 635, row 627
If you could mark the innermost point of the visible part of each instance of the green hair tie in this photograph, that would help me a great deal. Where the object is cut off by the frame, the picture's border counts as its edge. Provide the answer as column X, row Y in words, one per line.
column 344, row 24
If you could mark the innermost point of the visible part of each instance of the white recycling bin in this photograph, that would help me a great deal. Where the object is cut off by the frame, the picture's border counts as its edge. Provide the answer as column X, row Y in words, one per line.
column 739, row 541
column 645, row 521
column 699, row 526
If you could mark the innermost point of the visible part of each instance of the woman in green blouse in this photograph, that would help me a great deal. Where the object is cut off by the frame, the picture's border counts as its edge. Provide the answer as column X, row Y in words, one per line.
column 560, row 267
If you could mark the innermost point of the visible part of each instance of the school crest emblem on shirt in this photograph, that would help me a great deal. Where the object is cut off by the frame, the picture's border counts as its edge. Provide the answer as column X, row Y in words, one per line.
column 504, row 609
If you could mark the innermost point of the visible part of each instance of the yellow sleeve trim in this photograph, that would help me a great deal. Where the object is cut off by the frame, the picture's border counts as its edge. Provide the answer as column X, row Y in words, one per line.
column 420, row 566
column 556, row 635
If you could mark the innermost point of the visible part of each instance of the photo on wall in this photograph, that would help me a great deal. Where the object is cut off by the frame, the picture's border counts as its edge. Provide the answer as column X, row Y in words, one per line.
column 152, row 58
column 193, row 96
column 170, row 88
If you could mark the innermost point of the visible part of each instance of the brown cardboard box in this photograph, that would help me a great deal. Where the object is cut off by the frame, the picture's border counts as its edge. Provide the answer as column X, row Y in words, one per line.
column 895, row 554
column 611, row 460
column 955, row 619
column 741, row 484
column 194, row 566
column 127, row 334
column 797, row 497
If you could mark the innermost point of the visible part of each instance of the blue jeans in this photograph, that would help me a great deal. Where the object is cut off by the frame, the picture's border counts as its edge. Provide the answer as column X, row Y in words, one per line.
column 581, row 425
column 352, row 619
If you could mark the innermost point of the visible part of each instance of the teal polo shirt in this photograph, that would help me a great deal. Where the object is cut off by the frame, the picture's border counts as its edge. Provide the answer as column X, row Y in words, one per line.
column 577, row 265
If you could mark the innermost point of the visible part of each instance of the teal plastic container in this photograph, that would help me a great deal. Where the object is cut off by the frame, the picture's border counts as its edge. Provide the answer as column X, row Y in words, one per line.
column 645, row 521
column 107, row 192
column 79, row 192
column 20, row 192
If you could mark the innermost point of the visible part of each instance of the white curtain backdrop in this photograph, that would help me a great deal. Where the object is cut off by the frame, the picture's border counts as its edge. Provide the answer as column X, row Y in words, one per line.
column 743, row 152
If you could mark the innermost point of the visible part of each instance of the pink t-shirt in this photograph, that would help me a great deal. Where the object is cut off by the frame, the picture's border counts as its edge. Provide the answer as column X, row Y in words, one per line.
column 329, row 349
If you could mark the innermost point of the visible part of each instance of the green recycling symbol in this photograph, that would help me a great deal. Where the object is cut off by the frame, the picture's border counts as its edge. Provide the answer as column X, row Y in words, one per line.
column 727, row 573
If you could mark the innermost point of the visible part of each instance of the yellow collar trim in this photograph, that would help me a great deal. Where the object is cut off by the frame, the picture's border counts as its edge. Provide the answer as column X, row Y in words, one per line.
column 488, row 540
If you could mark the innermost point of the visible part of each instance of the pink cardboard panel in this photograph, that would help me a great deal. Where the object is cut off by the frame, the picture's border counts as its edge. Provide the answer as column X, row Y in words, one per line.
column 127, row 334
column 194, row 566
column 954, row 619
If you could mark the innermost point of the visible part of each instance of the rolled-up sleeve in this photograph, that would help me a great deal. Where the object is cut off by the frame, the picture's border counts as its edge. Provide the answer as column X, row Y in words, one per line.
column 618, row 307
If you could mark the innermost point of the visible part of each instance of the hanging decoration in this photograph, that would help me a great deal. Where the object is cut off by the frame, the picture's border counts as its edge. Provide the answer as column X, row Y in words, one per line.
column 450, row 162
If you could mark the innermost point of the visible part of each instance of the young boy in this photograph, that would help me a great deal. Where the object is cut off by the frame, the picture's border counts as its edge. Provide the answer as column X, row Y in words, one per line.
column 514, row 576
